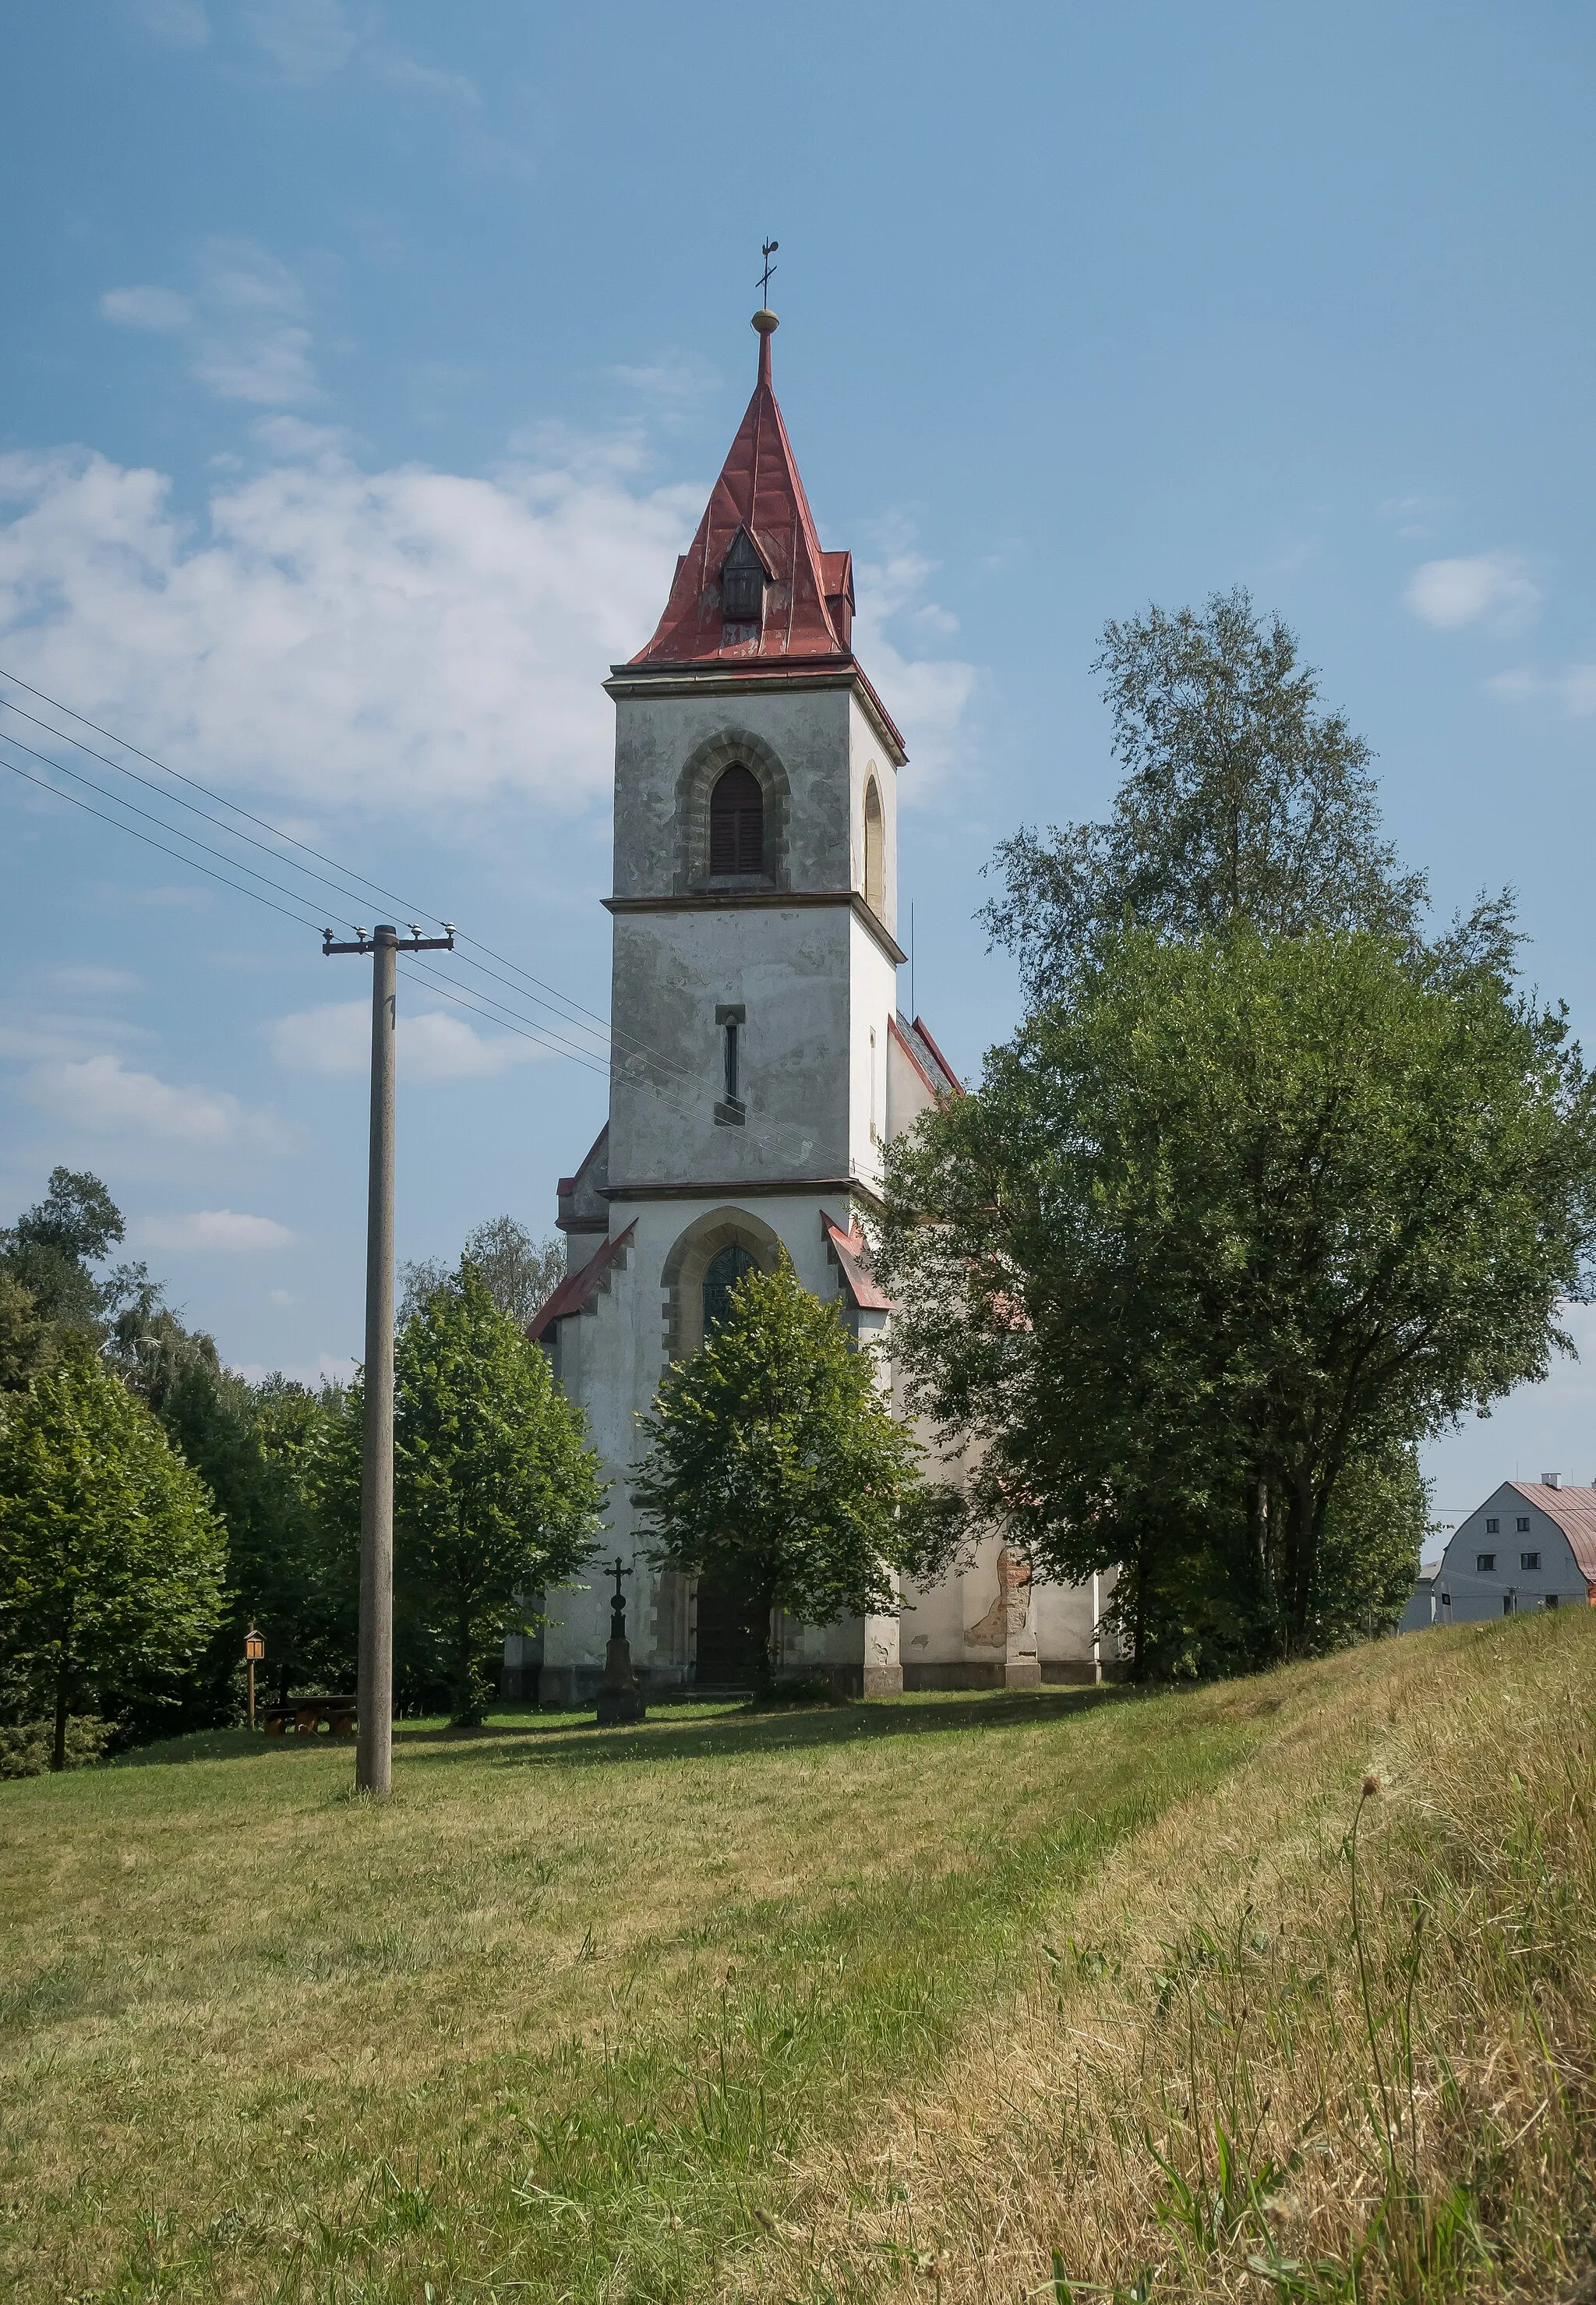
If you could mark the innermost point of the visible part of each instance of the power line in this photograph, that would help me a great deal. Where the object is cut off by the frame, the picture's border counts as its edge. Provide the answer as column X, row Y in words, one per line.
column 346, row 874
column 111, row 736
column 132, row 830
column 176, row 830
column 479, row 1005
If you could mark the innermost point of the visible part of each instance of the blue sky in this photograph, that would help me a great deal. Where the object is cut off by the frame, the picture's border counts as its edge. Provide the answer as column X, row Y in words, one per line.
column 365, row 367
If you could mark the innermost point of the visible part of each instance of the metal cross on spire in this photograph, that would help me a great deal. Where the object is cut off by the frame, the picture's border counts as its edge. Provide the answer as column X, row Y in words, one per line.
column 768, row 250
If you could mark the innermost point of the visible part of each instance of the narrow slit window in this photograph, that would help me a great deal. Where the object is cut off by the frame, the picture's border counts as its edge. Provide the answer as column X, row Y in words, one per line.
column 731, row 1032
column 736, row 824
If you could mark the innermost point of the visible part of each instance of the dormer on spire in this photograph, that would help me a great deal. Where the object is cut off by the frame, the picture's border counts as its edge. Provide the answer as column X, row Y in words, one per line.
column 744, row 574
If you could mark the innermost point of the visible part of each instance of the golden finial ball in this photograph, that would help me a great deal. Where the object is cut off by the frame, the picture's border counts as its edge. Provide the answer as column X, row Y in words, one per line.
column 766, row 322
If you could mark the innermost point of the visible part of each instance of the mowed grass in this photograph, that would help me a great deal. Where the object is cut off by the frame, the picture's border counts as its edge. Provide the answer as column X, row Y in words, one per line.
column 953, row 1997
column 554, row 2022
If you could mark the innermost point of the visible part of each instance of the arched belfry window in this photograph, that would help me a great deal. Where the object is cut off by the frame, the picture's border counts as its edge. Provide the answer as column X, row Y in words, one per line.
column 875, row 870
column 720, row 1277
column 743, row 582
column 737, row 823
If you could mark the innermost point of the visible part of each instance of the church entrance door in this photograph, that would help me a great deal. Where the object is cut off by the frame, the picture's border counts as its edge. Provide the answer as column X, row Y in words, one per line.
column 728, row 1646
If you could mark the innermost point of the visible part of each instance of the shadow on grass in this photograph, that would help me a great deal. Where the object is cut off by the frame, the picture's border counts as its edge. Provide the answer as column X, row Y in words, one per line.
column 575, row 1741
column 203, row 1745
column 674, row 1731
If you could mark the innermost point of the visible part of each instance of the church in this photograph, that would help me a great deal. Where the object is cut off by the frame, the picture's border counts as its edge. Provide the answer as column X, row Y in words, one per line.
column 759, row 1062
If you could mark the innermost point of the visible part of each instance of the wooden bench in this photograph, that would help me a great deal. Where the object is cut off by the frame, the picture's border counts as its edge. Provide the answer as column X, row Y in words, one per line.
column 307, row 1714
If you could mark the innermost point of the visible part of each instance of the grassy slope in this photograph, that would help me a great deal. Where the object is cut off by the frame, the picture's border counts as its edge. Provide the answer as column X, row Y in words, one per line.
column 767, row 2005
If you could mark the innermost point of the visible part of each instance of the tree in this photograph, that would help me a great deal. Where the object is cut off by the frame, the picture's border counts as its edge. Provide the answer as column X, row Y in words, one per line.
column 520, row 1274
column 27, row 1341
column 51, row 1247
column 1227, row 1228
column 776, row 1465
column 111, row 1558
column 1242, row 800
column 497, row 1494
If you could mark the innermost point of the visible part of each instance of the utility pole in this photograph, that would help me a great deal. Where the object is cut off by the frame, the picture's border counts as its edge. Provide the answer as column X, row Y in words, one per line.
column 374, row 1684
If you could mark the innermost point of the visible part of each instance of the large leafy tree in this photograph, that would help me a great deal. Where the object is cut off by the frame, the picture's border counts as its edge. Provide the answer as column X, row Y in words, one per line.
column 1223, row 1233
column 112, row 1560
column 497, row 1493
column 776, row 1465
column 520, row 1273
column 1242, row 799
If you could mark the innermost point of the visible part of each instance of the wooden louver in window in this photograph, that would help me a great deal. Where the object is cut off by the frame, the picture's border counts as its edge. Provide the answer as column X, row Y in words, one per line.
column 743, row 582
column 738, row 824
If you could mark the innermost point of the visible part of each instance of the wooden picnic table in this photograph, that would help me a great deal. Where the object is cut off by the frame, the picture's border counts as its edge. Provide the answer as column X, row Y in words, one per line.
column 307, row 1714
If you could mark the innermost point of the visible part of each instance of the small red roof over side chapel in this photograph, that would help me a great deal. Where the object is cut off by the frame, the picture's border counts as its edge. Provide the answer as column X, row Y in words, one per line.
column 808, row 597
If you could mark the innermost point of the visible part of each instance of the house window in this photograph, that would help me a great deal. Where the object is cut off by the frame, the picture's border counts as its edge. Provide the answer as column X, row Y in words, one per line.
column 1529, row 1560
column 875, row 876
column 1522, row 1524
column 743, row 582
column 1493, row 1529
column 1446, row 1600
column 737, row 823
column 725, row 1271
column 1550, row 1601
column 1484, row 1562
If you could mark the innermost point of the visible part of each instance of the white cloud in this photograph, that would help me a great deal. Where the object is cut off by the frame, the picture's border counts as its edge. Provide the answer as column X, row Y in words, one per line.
column 1574, row 687
column 929, row 697
column 87, row 977
column 246, row 323
column 224, row 1230
column 426, row 80
column 1446, row 593
column 175, row 23
column 254, row 346
column 331, row 635
column 304, row 38
column 99, row 1093
column 337, row 1040
column 327, row 1368
column 281, row 1297
column 162, row 311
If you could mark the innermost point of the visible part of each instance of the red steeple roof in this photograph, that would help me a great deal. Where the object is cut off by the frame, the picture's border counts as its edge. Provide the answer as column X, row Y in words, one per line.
column 808, row 593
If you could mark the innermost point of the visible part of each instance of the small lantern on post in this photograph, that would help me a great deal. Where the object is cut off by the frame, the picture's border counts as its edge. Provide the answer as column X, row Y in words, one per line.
column 254, row 1650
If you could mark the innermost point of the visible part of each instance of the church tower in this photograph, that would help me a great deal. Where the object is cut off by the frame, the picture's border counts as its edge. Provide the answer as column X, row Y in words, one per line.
column 759, row 1062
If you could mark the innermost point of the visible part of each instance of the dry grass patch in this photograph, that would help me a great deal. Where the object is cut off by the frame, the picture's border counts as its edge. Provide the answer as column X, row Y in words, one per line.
column 1325, row 2031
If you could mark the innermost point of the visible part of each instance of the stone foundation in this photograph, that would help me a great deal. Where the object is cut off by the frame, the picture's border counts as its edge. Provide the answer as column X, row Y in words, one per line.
column 1018, row 1673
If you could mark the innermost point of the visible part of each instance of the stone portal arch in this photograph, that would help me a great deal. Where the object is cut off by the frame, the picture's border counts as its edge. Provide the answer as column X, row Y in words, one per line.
column 681, row 1278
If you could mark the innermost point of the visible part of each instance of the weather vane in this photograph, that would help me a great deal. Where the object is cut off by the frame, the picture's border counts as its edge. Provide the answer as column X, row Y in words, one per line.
column 767, row 250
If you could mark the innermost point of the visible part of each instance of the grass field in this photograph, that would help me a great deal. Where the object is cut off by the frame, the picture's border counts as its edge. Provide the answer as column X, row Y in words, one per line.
column 944, row 1997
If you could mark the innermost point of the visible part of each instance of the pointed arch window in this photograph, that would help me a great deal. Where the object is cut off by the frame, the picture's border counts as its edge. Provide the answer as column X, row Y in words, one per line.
column 725, row 1271
column 875, row 869
column 737, row 823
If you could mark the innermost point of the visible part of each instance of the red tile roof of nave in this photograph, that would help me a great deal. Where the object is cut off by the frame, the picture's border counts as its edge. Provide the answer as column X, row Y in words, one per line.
column 1573, row 1509
column 759, row 489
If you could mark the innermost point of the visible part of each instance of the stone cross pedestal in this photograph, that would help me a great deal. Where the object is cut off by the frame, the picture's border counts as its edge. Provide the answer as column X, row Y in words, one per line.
column 620, row 1699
